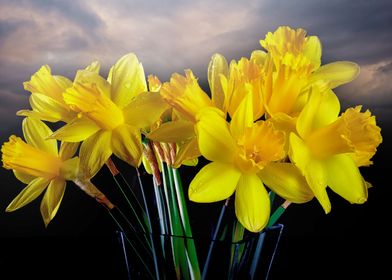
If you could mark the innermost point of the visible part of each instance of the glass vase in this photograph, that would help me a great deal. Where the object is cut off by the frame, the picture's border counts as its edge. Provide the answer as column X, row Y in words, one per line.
column 250, row 258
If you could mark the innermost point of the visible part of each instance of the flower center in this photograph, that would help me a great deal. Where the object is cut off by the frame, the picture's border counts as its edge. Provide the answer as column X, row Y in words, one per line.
column 259, row 145
column 91, row 101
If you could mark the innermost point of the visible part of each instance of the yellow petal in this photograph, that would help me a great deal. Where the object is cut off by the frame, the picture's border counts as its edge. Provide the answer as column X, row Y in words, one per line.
column 190, row 162
column 18, row 155
column 36, row 115
column 146, row 165
column 187, row 153
column 214, row 182
column 68, row 149
column 328, row 110
column 77, row 130
column 316, row 176
column 174, row 131
column 43, row 82
column 154, row 84
column 62, row 81
column 345, row 179
column 313, row 170
column 299, row 153
column 305, row 122
column 70, row 169
column 259, row 57
column 243, row 116
column 127, row 79
column 127, row 144
column 336, row 73
column 145, row 109
column 35, row 132
column 285, row 123
column 252, row 204
column 23, row 177
column 51, row 201
column 28, row 194
column 93, row 67
column 312, row 50
column 287, row 181
column 50, row 109
column 88, row 82
column 185, row 95
column 94, row 152
column 91, row 96
column 215, row 141
column 217, row 66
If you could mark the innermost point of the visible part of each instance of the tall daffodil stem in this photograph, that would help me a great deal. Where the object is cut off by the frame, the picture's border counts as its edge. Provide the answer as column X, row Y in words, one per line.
column 214, row 238
column 115, row 213
column 149, row 225
column 135, row 205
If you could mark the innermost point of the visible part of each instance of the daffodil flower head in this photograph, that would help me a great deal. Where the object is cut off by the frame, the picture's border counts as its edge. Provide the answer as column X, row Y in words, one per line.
column 286, row 40
column 110, row 114
column 353, row 132
column 46, row 99
column 328, row 149
column 238, row 151
column 38, row 163
column 244, row 76
column 292, row 65
column 185, row 95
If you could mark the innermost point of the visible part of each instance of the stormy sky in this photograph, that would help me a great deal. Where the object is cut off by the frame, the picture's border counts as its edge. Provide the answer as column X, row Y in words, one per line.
column 169, row 36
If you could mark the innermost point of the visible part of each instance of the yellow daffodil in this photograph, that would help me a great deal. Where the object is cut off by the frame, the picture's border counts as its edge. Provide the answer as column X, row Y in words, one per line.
column 328, row 149
column 46, row 99
column 186, row 151
column 292, row 65
column 239, row 152
column 111, row 114
column 186, row 98
column 243, row 76
column 38, row 163
column 185, row 95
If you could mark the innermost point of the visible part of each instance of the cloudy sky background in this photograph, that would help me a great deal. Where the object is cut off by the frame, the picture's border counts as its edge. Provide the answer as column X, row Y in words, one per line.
column 169, row 36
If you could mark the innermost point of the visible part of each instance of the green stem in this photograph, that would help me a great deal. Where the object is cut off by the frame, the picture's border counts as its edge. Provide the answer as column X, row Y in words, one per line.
column 191, row 248
column 182, row 269
column 134, row 211
column 278, row 212
column 162, row 214
column 157, row 274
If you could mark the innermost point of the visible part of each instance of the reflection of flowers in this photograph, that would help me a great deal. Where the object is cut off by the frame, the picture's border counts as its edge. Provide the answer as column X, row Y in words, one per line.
column 272, row 122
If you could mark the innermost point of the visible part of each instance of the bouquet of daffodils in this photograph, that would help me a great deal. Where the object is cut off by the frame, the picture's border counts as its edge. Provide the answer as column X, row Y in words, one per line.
column 271, row 125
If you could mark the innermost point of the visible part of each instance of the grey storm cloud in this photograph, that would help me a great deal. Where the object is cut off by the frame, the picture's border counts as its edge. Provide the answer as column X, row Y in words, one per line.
column 169, row 36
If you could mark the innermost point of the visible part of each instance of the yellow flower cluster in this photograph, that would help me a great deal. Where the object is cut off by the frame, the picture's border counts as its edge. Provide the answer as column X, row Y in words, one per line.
column 272, row 120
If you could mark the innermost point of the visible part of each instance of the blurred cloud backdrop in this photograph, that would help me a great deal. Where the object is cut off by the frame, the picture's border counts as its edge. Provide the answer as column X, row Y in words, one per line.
column 169, row 36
